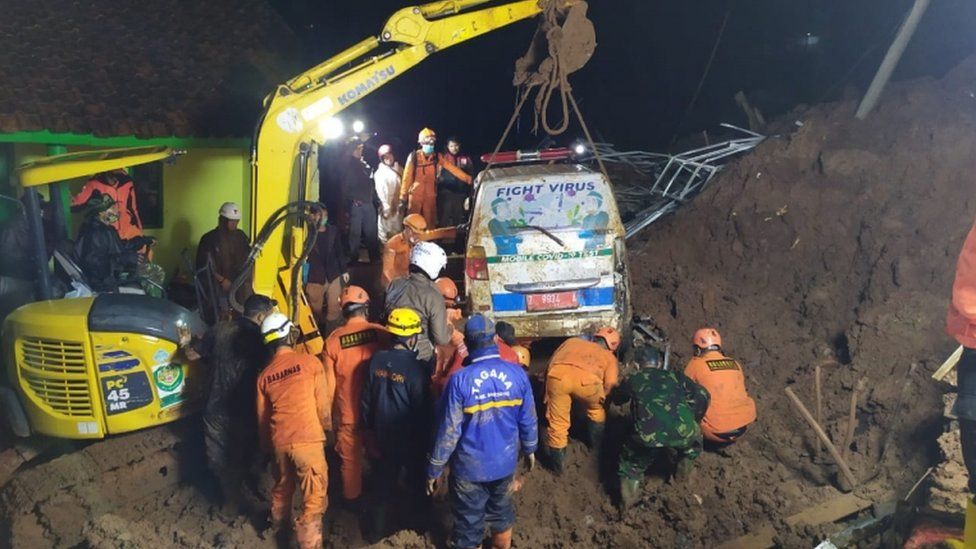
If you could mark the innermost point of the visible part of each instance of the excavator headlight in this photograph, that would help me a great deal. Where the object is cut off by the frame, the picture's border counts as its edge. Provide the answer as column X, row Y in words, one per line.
column 358, row 126
column 331, row 128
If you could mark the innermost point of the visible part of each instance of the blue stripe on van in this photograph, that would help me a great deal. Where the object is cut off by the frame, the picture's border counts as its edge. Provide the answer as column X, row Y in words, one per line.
column 590, row 297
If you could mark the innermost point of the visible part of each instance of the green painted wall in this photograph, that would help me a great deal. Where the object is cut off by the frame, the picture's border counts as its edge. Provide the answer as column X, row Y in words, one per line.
column 193, row 190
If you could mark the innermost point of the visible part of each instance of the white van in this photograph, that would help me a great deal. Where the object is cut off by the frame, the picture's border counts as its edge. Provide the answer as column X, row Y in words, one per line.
column 545, row 251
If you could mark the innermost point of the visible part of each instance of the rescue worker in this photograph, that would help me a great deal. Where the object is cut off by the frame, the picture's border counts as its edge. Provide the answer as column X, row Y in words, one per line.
column 417, row 291
column 396, row 252
column 106, row 260
column 387, row 181
column 584, row 371
column 235, row 352
column 347, row 353
column 418, row 190
column 119, row 186
column 506, row 341
column 961, row 325
column 397, row 412
column 225, row 249
column 294, row 412
column 360, row 202
column 486, row 417
column 665, row 408
column 452, row 302
column 450, row 355
column 451, row 191
column 731, row 409
column 327, row 272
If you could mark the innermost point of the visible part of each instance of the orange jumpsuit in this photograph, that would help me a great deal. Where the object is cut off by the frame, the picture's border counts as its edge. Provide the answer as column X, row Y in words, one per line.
column 580, row 370
column 961, row 320
column 396, row 252
column 347, row 353
column 294, row 406
column 730, row 407
column 129, row 225
column 422, row 169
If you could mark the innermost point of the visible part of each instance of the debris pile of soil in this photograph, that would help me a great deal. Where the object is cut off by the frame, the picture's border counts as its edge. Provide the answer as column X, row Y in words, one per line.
column 833, row 244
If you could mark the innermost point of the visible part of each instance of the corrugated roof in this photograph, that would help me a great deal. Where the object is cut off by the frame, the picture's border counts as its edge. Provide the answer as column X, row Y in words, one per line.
column 149, row 68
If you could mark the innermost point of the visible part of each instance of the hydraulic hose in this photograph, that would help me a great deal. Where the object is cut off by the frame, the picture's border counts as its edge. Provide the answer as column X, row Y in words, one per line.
column 299, row 209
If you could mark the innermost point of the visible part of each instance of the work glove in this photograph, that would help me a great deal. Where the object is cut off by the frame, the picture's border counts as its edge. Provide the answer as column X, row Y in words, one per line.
column 345, row 278
column 530, row 462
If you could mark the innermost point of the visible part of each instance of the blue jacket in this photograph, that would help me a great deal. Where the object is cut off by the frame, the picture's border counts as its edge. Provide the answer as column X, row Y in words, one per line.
column 486, row 414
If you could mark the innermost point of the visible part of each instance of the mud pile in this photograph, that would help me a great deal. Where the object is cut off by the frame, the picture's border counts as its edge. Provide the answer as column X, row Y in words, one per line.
column 833, row 244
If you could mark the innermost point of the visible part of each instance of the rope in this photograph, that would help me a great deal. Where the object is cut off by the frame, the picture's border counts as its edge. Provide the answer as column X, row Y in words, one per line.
column 511, row 122
column 589, row 138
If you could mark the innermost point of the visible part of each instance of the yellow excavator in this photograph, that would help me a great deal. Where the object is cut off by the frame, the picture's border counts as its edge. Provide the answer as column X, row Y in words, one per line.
column 84, row 368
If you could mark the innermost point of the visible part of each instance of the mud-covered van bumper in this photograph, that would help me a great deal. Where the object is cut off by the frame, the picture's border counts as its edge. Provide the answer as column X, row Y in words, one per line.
column 561, row 323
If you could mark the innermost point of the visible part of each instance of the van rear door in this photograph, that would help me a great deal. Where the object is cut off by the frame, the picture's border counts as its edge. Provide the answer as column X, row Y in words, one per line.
column 549, row 243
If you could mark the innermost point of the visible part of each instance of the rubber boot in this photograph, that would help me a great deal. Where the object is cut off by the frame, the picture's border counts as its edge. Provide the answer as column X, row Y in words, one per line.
column 557, row 460
column 629, row 492
column 595, row 434
column 502, row 540
column 684, row 469
column 308, row 533
column 378, row 524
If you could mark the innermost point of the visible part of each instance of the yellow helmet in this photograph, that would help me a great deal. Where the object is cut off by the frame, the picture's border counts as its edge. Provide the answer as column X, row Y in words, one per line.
column 523, row 355
column 403, row 322
column 425, row 134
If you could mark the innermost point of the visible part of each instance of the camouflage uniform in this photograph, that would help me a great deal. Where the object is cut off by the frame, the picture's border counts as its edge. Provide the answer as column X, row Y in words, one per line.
column 665, row 409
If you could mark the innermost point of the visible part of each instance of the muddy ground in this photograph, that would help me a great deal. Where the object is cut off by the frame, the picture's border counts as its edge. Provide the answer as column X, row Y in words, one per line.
column 832, row 244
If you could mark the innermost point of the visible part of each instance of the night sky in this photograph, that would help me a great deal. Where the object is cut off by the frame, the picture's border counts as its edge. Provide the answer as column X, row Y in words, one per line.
column 649, row 59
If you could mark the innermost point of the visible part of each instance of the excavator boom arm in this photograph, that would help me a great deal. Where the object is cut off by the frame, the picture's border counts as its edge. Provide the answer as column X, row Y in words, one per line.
column 295, row 112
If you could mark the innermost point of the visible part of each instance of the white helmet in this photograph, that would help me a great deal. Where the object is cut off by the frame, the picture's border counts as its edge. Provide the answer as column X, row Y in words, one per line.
column 384, row 150
column 276, row 326
column 231, row 211
column 429, row 257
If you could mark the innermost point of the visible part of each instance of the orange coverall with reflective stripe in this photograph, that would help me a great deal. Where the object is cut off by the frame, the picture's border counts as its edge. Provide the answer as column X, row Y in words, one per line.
column 730, row 406
column 347, row 353
column 579, row 370
column 961, row 320
column 422, row 169
column 294, row 410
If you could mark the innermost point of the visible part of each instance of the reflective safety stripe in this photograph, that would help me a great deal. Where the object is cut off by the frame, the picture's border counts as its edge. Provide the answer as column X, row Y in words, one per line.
column 494, row 404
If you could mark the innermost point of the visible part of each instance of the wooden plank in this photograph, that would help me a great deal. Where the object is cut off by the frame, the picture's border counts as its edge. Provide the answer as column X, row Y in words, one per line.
column 825, row 512
column 948, row 365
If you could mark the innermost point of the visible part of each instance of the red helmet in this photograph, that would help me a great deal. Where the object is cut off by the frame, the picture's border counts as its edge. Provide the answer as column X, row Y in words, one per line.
column 353, row 295
column 610, row 335
column 415, row 222
column 707, row 339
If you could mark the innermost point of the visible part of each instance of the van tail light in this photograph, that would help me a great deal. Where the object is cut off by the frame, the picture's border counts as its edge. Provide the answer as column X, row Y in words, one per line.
column 476, row 263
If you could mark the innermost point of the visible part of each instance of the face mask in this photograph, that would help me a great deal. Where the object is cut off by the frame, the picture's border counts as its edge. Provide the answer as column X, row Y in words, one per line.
column 427, row 148
column 324, row 221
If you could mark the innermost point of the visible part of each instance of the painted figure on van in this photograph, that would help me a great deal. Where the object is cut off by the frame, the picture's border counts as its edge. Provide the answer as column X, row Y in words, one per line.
column 503, row 228
column 595, row 221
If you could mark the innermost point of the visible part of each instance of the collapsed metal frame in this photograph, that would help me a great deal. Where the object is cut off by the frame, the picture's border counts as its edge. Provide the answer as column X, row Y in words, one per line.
column 677, row 178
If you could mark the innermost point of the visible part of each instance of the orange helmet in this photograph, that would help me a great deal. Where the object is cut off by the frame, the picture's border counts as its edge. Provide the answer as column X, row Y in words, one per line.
column 610, row 335
column 426, row 133
column 523, row 355
column 415, row 222
column 707, row 339
column 353, row 295
column 448, row 289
